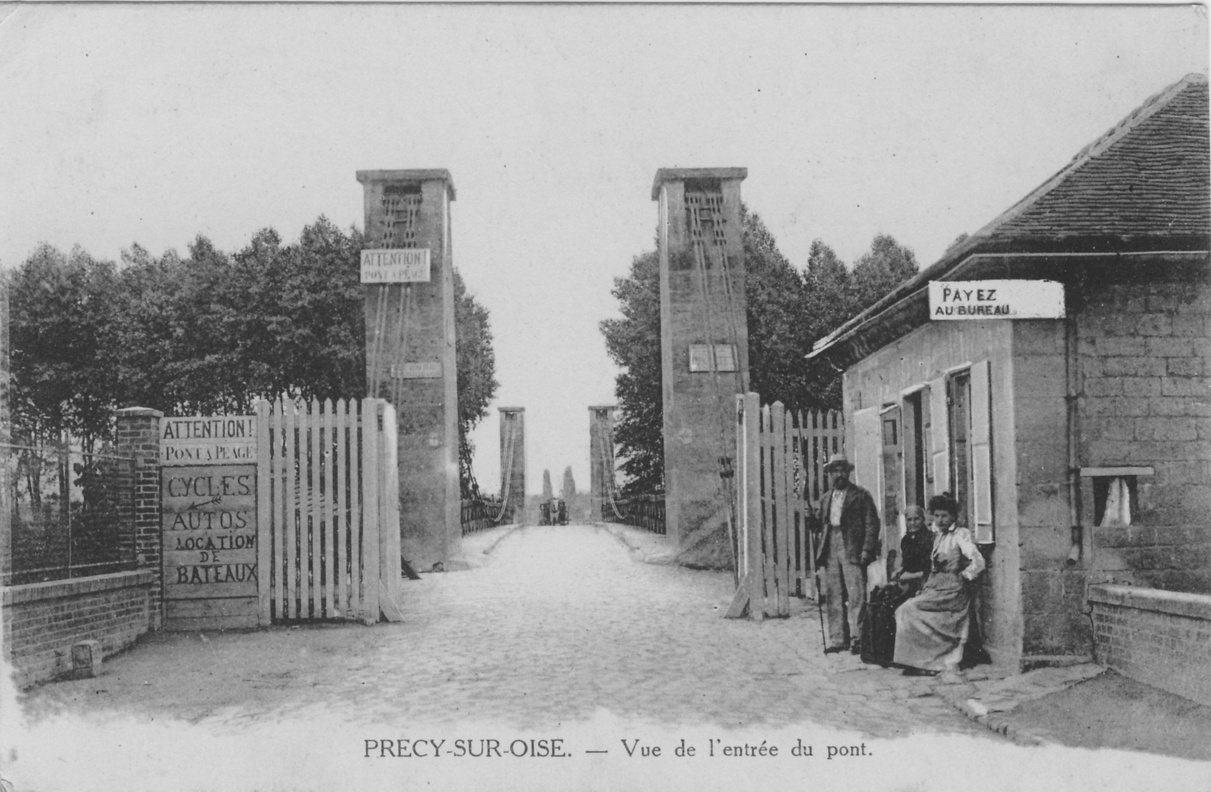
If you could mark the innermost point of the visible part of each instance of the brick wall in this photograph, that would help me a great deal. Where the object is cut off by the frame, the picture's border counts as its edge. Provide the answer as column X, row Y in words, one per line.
column 1160, row 638
column 1145, row 366
column 138, row 437
column 43, row 620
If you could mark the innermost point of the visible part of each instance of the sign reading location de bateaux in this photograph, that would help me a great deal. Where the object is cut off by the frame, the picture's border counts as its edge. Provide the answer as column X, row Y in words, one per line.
column 209, row 522
column 996, row 299
column 404, row 265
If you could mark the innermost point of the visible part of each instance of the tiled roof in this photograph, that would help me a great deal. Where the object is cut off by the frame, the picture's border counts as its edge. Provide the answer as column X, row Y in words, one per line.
column 1143, row 185
column 1147, row 176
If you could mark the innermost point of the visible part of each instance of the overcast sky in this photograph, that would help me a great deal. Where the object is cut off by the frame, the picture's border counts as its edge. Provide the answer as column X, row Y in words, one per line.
column 153, row 124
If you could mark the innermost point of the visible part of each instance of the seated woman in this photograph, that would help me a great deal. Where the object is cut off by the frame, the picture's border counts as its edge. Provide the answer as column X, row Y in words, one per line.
column 915, row 550
column 932, row 628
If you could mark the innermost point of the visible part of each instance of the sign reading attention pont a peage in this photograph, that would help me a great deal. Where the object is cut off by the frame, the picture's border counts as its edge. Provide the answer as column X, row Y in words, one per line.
column 392, row 265
column 208, row 494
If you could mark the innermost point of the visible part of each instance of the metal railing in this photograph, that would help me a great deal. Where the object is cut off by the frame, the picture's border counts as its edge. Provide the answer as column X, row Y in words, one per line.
column 72, row 513
column 641, row 511
column 479, row 514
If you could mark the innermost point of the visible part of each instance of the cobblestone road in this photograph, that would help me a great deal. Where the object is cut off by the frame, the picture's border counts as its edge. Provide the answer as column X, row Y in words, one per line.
column 560, row 634
column 559, row 624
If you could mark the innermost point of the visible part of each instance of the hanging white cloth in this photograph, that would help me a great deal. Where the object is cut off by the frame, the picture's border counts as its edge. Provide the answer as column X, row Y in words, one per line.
column 1118, row 504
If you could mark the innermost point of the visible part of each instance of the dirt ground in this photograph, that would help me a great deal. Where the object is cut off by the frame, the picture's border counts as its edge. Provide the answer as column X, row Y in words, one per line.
column 1112, row 711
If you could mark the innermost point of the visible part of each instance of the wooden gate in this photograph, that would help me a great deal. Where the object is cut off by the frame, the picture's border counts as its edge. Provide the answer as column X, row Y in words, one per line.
column 328, row 511
column 779, row 473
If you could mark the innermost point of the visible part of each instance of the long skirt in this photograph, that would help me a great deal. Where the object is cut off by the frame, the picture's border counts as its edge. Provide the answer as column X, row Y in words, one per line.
column 932, row 628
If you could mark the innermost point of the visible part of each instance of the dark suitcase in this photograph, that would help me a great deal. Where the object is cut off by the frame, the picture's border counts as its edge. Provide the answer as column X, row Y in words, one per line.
column 879, row 627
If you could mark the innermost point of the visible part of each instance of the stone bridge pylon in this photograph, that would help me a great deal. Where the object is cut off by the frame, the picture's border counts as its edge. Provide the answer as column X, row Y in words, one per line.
column 601, row 460
column 704, row 350
column 407, row 274
column 513, row 463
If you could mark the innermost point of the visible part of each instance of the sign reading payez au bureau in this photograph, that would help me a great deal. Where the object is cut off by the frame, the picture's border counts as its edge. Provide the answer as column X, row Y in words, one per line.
column 395, row 265
column 996, row 299
column 208, row 511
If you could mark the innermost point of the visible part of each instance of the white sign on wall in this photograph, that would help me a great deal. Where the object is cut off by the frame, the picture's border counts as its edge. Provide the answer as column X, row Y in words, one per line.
column 403, row 265
column 208, row 440
column 424, row 369
column 700, row 357
column 996, row 299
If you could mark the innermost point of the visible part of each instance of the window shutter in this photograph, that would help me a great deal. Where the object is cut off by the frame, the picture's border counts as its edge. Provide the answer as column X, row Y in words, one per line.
column 981, row 452
column 868, row 450
column 939, row 440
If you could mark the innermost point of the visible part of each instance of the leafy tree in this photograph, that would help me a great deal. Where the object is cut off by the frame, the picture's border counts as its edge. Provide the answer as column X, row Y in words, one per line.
column 829, row 303
column 633, row 342
column 64, row 343
column 778, row 327
column 788, row 311
column 207, row 334
column 547, row 492
column 476, row 376
column 569, row 485
column 879, row 271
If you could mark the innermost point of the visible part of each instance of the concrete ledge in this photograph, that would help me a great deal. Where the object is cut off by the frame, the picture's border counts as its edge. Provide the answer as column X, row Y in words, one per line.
column 73, row 587
column 1177, row 603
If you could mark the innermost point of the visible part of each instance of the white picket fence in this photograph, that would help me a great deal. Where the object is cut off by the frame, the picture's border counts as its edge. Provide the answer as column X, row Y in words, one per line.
column 780, row 459
column 328, row 511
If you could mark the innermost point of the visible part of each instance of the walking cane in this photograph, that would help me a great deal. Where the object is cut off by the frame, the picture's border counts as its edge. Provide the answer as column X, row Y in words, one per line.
column 811, row 560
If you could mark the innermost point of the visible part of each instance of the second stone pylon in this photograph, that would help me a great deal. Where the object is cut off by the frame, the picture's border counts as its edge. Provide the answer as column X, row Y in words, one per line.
column 704, row 351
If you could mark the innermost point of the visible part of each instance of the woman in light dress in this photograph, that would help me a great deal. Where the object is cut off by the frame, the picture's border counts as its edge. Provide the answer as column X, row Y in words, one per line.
column 932, row 628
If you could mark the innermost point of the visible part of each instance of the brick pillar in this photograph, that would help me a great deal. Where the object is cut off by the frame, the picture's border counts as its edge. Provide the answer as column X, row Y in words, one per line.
column 700, row 231
column 410, row 355
column 138, row 431
column 601, row 458
column 513, row 461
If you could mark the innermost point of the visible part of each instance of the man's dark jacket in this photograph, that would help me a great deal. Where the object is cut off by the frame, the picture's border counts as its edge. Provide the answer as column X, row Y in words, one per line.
column 859, row 525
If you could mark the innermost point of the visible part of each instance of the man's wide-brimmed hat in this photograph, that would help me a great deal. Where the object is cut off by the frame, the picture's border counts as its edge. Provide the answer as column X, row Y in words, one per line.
column 838, row 460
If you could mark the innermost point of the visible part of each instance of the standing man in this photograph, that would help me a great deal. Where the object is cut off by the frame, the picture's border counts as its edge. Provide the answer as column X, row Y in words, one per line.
column 849, row 541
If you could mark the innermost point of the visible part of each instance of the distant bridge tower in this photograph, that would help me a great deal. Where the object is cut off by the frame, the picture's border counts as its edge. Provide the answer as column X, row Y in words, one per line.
column 601, row 459
column 408, row 290
column 704, row 349
column 513, row 462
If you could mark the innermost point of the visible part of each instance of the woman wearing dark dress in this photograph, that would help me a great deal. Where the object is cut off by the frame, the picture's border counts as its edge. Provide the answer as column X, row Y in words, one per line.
column 915, row 550
column 932, row 627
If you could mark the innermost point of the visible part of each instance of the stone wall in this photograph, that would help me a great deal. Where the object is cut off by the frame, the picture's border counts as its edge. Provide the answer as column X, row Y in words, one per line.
column 1054, row 624
column 1161, row 638
column 1146, row 401
column 43, row 620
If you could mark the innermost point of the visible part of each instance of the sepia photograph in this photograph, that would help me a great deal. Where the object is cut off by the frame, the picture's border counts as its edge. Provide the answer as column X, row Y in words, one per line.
column 604, row 396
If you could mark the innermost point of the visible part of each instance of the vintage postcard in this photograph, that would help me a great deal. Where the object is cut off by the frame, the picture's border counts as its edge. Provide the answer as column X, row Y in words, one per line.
column 605, row 396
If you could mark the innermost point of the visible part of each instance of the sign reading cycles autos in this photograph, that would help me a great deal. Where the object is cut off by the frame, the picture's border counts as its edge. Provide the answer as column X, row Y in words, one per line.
column 996, row 299
column 208, row 513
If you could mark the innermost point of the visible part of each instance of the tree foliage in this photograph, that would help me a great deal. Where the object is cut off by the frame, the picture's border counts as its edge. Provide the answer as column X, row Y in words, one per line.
column 788, row 311
column 206, row 334
column 633, row 342
column 568, row 491
column 476, row 376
